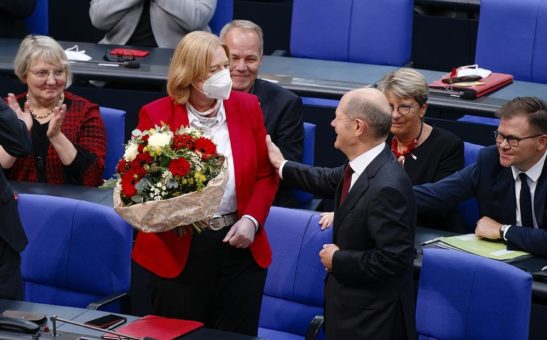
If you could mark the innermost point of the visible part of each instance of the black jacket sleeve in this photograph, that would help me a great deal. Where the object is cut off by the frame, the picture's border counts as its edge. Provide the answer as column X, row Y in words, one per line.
column 14, row 136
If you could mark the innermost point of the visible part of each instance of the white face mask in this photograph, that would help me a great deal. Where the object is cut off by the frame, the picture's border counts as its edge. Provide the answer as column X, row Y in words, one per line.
column 218, row 86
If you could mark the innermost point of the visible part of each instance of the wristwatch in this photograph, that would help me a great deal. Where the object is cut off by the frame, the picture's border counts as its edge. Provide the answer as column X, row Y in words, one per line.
column 503, row 230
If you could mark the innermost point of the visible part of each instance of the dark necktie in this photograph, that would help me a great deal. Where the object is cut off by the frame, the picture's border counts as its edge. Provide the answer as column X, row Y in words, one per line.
column 525, row 202
column 348, row 171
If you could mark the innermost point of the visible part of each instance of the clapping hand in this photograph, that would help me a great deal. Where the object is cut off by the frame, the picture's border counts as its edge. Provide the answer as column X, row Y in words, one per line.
column 56, row 122
column 23, row 115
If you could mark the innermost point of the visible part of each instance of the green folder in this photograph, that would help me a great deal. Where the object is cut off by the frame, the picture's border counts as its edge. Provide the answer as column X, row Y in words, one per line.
column 496, row 250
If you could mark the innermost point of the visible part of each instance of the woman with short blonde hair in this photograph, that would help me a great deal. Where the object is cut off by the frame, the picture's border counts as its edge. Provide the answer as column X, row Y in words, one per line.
column 69, row 137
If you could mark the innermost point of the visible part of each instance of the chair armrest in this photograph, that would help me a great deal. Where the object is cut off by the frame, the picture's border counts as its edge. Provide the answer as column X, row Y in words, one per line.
column 314, row 327
column 105, row 301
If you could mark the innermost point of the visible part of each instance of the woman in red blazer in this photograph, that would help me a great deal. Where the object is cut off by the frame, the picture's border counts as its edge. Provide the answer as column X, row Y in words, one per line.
column 216, row 276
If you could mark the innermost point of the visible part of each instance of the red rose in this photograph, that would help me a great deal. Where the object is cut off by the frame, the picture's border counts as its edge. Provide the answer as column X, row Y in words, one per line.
column 129, row 179
column 144, row 158
column 182, row 141
column 179, row 167
column 206, row 147
column 121, row 165
column 140, row 148
column 145, row 139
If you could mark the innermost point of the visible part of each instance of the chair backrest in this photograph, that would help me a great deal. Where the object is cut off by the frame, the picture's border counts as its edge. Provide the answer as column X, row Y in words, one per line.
column 308, row 157
column 114, row 121
column 465, row 296
column 294, row 286
column 470, row 208
column 38, row 22
column 365, row 31
column 512, row 38
column 224, row 13
column 78, row 251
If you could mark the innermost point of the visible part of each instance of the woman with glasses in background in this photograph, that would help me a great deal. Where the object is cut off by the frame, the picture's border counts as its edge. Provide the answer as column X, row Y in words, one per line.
column 68, row 134
column 427, row 153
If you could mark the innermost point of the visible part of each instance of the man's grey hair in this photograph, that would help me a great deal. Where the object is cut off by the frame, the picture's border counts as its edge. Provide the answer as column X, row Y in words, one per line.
column 244, row 25
column 377, row 116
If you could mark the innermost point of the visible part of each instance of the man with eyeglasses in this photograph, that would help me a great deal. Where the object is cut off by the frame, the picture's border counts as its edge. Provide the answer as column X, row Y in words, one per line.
column 509, row 180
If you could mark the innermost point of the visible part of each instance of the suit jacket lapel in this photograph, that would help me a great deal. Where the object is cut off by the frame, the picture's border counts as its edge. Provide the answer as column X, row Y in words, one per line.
column 236, row 142
column 180, row 116
column 504, row 189
column 540, row 204
column 359, row 188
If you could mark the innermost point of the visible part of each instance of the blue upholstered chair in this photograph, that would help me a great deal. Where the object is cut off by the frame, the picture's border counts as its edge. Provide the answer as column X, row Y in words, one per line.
column 470, row 209
column 465, row 296
column 293, row 295
column 308, row 157
column 114, row 121
column 364, row 31
column 512, row 38
column 78, row 255
column 38, row 22
column 224, row 13
column 492, row 121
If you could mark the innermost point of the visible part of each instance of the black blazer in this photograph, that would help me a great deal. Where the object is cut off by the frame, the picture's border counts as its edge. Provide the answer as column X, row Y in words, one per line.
column 494, row 187
column 283, row 117
column 369, row 293
column 15, row 139
column 284, row 122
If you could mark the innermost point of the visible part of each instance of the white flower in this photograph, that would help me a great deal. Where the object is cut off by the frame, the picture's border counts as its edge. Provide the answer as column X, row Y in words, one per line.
column 159, row 140
column 131, row 152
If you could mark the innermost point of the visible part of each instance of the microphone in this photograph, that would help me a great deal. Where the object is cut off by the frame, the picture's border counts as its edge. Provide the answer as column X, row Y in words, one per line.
column 55, row 318
column 126, row 64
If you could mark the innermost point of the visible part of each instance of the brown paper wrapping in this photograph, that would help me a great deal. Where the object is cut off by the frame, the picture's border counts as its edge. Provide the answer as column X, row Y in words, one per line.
column 184, row 210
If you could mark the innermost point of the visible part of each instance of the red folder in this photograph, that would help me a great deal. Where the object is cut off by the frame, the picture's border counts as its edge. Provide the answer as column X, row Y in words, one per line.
column 489, row 84
column 157, row 327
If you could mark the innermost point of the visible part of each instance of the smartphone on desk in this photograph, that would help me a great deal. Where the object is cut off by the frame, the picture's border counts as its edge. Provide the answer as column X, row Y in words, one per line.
column 107, row 322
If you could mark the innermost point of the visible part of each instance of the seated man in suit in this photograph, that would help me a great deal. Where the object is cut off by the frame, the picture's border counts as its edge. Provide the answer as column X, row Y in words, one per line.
column 15, row 140
column 368, row 290
column 509, row 180
column 282, row 109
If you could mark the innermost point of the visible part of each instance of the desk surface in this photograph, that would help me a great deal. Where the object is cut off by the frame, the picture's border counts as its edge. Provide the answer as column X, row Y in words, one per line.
column 90, row 194
column 81, row 315
column 530, row 265
column 310, row 77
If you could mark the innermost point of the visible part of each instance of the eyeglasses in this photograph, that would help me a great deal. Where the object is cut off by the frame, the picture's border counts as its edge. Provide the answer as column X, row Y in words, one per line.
column 58, row 74
column 511, row 140
column 403, row 109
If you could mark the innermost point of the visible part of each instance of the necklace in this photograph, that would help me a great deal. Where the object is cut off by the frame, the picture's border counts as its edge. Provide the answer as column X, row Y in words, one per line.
column 409, row 148
column 50, row 112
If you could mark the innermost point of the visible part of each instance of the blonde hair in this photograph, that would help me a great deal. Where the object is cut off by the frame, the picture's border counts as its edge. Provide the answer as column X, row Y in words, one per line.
column 191, row 61
column 40, row 47
column 405, row 83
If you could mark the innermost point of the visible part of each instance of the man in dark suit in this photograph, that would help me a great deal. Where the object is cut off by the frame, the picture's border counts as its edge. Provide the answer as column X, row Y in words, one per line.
column 15, row 139
column 368, row 289
column 497, row 180
column 282, row 109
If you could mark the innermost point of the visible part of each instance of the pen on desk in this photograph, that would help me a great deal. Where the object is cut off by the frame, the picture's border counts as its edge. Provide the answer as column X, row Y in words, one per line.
column 431, row 241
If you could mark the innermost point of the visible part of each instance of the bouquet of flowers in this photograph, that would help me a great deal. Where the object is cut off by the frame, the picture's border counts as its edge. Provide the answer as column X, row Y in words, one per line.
column 169, row 179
